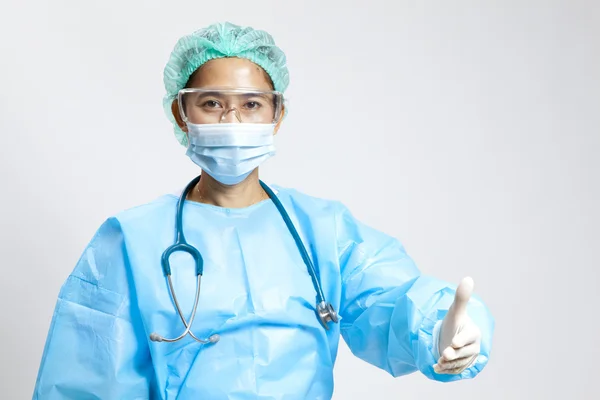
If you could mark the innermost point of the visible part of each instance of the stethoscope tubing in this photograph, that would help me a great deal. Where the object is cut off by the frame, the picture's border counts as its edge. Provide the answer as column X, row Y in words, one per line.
column 325, row 311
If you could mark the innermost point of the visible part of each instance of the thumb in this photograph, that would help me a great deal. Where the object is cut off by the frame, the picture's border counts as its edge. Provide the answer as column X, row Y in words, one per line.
column 455, row 317
column 461, row 298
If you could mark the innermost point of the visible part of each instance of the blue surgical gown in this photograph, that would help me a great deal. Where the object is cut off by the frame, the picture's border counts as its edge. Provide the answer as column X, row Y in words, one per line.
column 256, row 294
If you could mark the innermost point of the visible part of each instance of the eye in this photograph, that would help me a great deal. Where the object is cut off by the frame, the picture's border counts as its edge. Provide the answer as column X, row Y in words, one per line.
column 252, row 105
column 211, row 104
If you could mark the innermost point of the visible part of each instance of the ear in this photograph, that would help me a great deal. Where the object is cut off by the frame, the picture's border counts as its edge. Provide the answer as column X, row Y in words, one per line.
column 280, row 120
column 177, row 116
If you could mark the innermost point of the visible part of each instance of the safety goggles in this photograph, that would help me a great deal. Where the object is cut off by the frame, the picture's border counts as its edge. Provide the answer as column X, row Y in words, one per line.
column 211, row 106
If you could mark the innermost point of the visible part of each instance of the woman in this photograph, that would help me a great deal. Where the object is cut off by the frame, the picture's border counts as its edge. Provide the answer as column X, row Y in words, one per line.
column 283, row 274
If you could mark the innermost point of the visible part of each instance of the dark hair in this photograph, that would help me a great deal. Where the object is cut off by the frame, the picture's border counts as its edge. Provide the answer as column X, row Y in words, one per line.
column 265, row 74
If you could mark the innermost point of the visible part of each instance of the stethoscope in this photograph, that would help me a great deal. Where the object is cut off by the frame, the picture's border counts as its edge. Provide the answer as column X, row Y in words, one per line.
column 325, row 311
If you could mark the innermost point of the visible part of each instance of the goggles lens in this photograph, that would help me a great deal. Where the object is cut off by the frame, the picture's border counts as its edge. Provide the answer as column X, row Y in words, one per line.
column 213, row 106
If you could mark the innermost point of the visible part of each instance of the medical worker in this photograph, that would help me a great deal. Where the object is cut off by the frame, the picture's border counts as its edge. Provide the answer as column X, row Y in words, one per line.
column 283, row 275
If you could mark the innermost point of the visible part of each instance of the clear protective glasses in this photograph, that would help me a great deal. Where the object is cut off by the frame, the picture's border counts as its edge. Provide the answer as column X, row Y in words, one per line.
column 213, row 106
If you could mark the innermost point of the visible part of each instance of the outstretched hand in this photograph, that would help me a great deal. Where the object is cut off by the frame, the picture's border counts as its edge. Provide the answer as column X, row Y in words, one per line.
column 459, row 338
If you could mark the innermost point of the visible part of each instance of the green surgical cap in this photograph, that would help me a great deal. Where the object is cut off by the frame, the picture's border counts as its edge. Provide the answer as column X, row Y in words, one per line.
column 219, row 41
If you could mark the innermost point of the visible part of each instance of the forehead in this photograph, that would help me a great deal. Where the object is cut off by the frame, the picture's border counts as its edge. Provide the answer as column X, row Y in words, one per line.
column 230, row 73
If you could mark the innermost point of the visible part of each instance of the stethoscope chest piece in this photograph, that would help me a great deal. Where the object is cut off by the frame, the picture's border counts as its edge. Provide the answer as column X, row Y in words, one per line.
column 326, row 314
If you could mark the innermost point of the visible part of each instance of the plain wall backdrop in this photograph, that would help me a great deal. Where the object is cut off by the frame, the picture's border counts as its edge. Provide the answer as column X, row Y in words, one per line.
column 468, row 130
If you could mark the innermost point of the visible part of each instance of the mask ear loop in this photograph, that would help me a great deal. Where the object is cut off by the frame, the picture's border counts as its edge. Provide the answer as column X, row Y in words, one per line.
column 236, row 113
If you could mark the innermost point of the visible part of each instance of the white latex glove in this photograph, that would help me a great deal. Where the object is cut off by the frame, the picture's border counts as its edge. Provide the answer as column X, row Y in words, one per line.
column 459, row 338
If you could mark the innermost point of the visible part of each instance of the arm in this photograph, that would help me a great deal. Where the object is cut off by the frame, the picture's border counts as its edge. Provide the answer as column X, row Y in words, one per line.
column 390, row 311
column 96, row 347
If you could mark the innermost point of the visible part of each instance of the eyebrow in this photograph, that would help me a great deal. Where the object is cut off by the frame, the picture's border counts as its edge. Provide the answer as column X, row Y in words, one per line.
column 261, row 95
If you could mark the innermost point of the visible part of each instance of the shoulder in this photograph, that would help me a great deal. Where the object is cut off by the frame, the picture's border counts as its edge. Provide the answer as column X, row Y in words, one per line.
column 307, row 202
column 145, row 215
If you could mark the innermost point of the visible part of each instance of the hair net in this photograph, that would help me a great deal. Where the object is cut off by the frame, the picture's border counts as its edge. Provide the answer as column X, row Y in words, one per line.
column 219, row 41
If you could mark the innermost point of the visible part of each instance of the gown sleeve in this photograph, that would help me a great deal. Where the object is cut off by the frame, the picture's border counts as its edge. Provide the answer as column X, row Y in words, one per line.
column 96, row 346
column 390, row 312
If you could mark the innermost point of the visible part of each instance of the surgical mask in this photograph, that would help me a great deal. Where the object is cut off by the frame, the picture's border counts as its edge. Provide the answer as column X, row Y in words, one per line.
column 230, row 152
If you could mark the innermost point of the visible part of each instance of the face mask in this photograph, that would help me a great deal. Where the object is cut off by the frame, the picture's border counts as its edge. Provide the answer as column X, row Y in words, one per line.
column 230, row 152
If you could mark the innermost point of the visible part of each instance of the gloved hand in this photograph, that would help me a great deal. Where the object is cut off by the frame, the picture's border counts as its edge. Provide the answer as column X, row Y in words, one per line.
column 459, row 338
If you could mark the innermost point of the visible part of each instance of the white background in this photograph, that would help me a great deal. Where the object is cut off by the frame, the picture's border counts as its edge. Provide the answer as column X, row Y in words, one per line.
column 469, row 130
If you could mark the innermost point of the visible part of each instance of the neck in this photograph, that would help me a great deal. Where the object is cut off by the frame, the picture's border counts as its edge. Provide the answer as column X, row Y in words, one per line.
column 244, row 194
